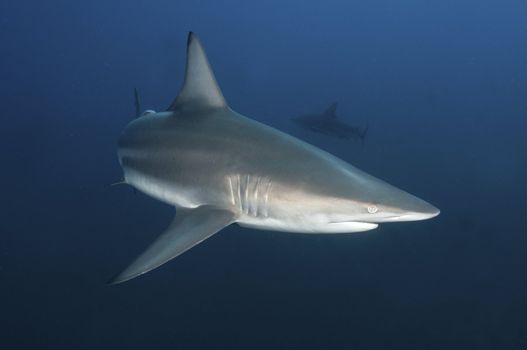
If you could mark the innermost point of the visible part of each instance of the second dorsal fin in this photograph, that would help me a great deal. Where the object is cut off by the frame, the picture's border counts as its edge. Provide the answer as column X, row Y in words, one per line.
column 200, row 89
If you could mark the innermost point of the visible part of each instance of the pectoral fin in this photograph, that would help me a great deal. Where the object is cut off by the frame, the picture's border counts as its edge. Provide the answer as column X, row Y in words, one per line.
column 190, row 227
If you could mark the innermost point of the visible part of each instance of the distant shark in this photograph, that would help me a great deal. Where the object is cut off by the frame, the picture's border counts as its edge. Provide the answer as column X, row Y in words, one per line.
column 328, row 123
column 218, row 167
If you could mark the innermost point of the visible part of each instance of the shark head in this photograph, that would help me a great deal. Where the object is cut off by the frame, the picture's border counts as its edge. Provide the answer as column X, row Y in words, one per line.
column 379, row 202
column 342, row 198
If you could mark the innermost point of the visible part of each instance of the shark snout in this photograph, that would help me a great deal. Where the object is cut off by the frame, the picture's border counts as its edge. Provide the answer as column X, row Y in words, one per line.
column 423, row 212
column 386, row 203
column 407, row 208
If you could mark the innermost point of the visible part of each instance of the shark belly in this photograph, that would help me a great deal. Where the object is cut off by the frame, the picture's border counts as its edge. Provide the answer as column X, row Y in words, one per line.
column 305, row 225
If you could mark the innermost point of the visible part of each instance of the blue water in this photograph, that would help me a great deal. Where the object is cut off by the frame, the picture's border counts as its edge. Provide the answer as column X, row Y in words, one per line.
column 443, row 86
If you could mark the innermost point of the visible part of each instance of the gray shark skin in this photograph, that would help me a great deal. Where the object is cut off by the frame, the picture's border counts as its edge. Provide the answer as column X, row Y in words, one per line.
column 217, row 167
column 329, row 124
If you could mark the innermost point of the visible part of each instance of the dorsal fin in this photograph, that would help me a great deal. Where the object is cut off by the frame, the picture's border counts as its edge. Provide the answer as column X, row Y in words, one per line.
column 331, row 112
column 200, row 89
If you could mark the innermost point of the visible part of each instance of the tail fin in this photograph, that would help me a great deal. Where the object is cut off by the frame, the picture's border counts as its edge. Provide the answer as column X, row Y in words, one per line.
column 363, row 134
column 137, row 104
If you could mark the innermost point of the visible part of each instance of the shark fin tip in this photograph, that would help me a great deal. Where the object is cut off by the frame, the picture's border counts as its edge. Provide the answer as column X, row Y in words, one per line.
column 120, row 278
column 190, row 37
column 112, row 281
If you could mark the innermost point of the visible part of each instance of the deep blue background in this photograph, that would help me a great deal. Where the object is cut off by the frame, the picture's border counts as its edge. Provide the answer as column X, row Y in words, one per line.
column 443, row 86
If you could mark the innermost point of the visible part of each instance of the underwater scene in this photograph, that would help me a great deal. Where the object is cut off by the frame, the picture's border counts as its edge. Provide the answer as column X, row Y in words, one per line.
column 263, row 174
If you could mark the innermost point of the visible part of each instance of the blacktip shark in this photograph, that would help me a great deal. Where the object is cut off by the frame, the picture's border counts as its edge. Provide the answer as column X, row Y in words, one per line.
column 217, row 167
column 329, row 123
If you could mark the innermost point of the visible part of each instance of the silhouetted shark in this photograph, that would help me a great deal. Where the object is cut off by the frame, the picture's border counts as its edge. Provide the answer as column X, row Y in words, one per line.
column 328, row 123
column 218, row 167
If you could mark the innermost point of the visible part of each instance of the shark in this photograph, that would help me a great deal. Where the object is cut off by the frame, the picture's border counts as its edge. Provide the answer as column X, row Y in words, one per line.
column 217, row 167
column 328, row 123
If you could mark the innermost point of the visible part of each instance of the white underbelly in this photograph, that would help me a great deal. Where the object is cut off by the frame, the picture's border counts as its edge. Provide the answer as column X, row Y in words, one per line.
column 304, row 225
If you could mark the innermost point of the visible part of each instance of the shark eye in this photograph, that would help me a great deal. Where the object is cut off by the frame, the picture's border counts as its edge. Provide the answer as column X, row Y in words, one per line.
column 372, row 209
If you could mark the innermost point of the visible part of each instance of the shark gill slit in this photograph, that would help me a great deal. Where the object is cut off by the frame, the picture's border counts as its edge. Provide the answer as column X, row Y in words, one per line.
column 239, row 190
column 233, row 201
column 266, row 198
column 250, row 194
column 246, row 194
column 256, row 189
